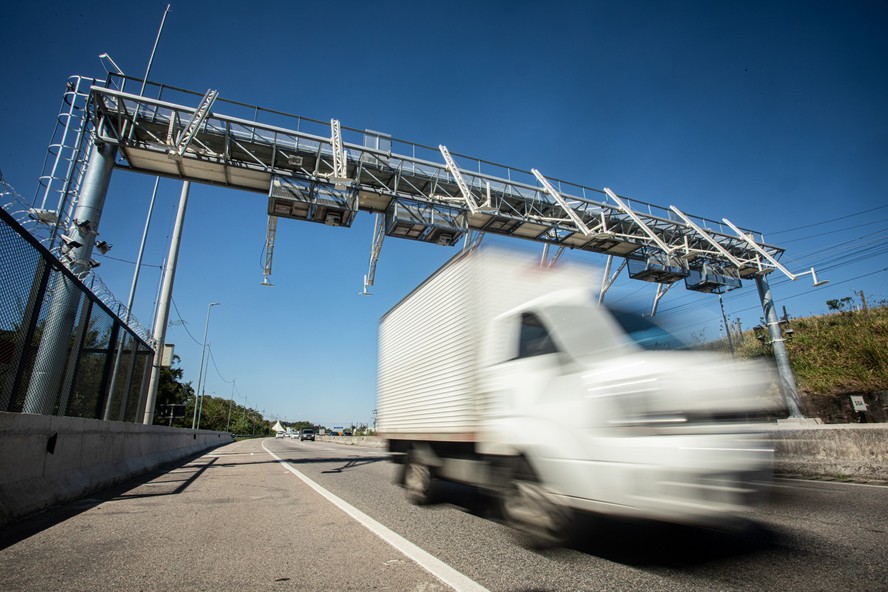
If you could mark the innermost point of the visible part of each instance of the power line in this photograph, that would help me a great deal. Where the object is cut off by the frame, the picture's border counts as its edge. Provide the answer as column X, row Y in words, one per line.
column 130, row 262
column 184, row 326
column 818, row 235
column 832, row 283
column 210, row 349
column 826, row 221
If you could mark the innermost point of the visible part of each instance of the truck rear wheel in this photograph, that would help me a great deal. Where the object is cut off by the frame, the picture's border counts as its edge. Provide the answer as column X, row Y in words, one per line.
column 418, row 483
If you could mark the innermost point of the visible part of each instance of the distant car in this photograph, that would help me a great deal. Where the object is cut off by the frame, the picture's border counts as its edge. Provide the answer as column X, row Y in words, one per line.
column 279, row 435
column 307, row 434
column 346, row 433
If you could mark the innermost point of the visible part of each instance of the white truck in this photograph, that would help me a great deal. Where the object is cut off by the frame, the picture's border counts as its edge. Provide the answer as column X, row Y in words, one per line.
column 504, row 375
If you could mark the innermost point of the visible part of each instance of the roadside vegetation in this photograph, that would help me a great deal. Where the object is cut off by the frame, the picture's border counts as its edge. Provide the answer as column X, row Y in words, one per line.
column 839, row 353
column 833, row 354
column 175, row 407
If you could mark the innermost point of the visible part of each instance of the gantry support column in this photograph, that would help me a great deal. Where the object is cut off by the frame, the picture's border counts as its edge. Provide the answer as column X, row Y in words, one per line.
column 49, row 364
column 163, row 307
column 784, row 370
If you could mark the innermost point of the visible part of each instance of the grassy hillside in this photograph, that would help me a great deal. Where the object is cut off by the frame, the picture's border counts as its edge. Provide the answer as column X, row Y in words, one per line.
column 834, row 354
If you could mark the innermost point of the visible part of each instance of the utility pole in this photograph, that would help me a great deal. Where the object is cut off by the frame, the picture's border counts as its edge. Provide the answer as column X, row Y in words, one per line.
column 198, row 394
column 727, row 325
column 230, row 404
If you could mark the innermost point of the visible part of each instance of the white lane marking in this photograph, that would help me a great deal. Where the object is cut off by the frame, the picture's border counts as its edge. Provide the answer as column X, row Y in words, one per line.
column 427, row 561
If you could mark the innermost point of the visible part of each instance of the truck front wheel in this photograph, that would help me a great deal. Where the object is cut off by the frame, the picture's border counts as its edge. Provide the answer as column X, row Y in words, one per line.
column 530, row 509
column 418, row 483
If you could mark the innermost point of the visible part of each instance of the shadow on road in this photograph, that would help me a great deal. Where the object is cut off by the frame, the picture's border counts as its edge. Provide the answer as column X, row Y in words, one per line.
column 31, row 525
column 647, row 543
column 632, row 542
column 346, row 462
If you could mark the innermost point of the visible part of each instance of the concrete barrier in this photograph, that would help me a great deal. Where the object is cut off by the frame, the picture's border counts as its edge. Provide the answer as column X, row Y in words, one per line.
column 834, row 451
column 45, row 460
column 838, row 451
column 368, row 441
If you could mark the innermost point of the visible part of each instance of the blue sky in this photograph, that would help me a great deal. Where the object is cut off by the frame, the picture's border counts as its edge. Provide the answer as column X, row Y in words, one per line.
column 771, row 114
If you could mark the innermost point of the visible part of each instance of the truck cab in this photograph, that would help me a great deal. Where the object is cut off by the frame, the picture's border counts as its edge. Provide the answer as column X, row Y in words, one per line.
column 610, row 413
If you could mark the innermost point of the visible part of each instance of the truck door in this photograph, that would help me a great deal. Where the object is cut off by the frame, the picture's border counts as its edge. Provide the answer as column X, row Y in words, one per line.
column 523, row 389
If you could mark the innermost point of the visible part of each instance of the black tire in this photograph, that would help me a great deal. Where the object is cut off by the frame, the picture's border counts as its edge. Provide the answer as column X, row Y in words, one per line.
column 529, row 509
column 418, row 483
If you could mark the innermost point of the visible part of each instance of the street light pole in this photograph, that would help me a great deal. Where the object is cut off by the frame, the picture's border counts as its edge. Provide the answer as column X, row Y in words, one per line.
column 203, row 351
column 230, row 405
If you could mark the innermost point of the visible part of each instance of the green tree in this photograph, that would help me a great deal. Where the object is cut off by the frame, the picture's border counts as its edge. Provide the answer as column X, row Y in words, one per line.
column 172, row 391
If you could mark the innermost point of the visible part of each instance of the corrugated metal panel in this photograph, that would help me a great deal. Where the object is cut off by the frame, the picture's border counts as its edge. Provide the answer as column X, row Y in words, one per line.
column 427, row 353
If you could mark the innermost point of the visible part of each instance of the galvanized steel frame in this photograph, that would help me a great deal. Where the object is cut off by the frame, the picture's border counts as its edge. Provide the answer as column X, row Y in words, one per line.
column 246, row 154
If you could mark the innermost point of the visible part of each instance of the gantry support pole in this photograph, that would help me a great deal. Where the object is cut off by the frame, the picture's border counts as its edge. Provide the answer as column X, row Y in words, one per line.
column 784, row 369
column 163, row 307
column 49, row 364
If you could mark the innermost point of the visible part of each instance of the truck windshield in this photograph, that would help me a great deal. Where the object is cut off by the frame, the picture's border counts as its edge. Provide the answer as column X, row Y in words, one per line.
column 645, row 332
column 585, row 331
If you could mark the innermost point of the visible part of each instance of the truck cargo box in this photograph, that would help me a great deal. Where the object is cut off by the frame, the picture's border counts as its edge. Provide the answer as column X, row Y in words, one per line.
column 435, row 342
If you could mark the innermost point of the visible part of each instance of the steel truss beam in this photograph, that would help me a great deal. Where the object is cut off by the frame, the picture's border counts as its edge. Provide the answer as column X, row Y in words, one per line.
column 246, row 154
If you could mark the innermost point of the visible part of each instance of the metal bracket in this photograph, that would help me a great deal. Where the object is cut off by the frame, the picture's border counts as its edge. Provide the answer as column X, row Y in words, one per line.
column 340, row 159
column 375, row 248
column 766, row 255
column 546, row 261
column 556, row 195
column 269, row 249
column 606, row 282
column 197, row 119
column 661, row 291
column 631, row 213
column 707, row 237
column 460, row 181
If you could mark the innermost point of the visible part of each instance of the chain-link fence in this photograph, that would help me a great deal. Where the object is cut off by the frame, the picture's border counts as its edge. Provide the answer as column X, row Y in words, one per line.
column 58, row 340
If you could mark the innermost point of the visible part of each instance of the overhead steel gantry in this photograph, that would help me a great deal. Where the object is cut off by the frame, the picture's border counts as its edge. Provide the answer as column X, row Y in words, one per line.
column 324, row 172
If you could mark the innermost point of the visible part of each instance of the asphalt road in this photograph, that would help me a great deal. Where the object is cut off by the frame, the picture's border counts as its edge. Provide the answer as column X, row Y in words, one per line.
column 243, row 517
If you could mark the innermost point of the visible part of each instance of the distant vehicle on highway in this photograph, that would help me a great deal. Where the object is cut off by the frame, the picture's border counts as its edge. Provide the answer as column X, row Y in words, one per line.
column 279, row 435
column 307, row 434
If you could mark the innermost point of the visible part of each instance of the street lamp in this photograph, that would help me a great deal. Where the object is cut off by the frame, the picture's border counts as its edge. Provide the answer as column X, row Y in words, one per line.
column 203, row 351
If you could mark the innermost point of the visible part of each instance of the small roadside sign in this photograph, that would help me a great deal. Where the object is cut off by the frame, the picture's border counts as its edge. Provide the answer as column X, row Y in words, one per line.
column 858, row 403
